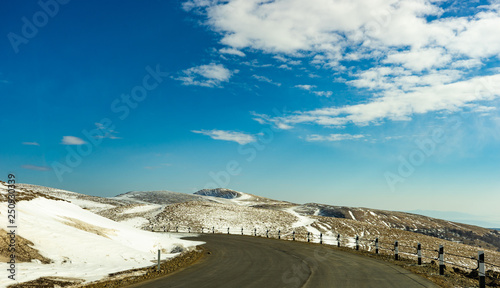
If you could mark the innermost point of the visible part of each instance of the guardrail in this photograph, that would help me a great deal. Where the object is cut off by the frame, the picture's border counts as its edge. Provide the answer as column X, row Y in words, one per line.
column 352, row 242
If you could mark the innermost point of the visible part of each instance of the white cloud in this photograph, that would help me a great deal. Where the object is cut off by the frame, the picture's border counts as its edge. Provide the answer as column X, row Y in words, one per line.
column 31, row 143
column 420, row 59
column 232, row 51
column 305, row 87
column 323, row 93
column 211, row 75
column 255, row 63
column 36, row 168
column 317, row 93
column 478, row 37
column 398, row 105
column 72, row 140
column 287, row 60
column 374, row 27
column 106, row 132
column 265, row 79
column 238, row 137
column 483, row 110
column 394, row 79
column 332, row 137
column 265, row 119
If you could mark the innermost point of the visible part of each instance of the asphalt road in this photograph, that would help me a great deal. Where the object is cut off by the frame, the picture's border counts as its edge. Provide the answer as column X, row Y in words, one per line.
column 245, row 261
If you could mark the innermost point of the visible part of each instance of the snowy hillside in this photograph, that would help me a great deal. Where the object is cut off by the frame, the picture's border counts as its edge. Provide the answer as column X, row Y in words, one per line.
column 158, row 197
column 220, row 209
column 71, row 242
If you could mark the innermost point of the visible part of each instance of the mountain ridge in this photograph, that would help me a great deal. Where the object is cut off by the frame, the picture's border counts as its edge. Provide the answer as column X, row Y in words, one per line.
column 149, row 209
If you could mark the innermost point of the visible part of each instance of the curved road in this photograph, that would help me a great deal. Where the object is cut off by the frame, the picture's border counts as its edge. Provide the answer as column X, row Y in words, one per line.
column 245, row 261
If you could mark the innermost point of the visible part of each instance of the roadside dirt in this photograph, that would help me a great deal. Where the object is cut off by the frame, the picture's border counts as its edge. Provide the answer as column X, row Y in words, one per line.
column 123, row 278
column 126, row 278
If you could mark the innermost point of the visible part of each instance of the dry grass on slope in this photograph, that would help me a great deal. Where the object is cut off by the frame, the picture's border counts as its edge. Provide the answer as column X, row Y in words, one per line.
column 407, row 240
column 205, row 214
column 24, row 250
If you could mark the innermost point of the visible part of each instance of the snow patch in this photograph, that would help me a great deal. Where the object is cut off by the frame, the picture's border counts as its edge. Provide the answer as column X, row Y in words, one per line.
column 352, row 216
column 140, row 209
column 136, row 222
column 85, row 245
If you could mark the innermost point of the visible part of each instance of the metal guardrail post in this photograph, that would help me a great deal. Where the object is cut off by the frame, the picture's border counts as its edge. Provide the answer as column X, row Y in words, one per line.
column 419, row 253
column 159, row 254
column 482, row 274
column 376, row 246
column 441, row 260
column 357, row 242
column 396, row 250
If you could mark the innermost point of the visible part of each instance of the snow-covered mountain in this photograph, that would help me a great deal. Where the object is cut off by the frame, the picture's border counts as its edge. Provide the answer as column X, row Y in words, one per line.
column 112, row 221
column 58, row 235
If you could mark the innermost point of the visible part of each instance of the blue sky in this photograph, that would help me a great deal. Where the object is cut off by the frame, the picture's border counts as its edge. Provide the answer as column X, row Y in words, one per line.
column 385, row 104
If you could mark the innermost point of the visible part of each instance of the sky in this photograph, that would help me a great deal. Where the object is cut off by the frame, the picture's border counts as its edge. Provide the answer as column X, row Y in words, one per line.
column 388, row 104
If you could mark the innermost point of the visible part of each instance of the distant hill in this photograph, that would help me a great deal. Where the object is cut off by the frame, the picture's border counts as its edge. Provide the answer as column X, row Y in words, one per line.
column 158, row 197
column 219, row 192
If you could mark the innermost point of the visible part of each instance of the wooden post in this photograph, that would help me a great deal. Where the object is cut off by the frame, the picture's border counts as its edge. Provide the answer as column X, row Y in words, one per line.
column 176, row 228
column 308, row 239
column 357, row 242
column 159, row 254
column 267, row 233
column 320, row 238
column 241, row 230
column 441, row 260
column 376, row 245
column 227, row 230
column 396, row 250
column 338, row 240
column 293, row 235
column 482, row 274
column 189, row 229
column 419, row 253
column 213, row 230
column 254, row 231
column 201, row 230
column 279, row 234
